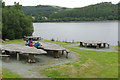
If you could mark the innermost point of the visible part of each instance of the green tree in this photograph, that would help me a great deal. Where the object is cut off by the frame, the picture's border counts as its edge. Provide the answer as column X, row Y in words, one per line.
column 15, row 24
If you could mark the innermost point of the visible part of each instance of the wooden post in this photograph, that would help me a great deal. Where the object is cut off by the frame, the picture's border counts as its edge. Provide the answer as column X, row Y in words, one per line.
column 7, row 59
column 18, row 57
column 67, row 55
column 108, row 45
column 81, row 44
column 31, row 58
column 85, row 44
column 98, row 46
column 5, row 52
column 56, row 54
column 62, row 52
column 90, row 45
column 104, row 45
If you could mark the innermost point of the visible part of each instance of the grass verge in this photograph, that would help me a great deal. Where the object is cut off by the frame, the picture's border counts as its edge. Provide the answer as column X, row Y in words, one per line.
column 17, row 41
column 90, row 64
column 7, row 74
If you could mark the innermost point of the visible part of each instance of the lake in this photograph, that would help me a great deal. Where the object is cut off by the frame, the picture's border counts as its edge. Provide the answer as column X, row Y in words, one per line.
column 78, row 31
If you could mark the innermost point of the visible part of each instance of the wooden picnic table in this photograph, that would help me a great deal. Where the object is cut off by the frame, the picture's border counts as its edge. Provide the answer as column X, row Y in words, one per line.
column 7, row 57
column 19, row 49
column 32, row 38
column 93, row 42
column 53, row 47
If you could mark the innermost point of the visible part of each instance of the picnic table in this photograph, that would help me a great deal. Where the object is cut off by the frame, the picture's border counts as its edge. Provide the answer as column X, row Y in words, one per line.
column 53, row 47
column 6, row 56
column 98, row 44
column 31, row 38
column 19, row 49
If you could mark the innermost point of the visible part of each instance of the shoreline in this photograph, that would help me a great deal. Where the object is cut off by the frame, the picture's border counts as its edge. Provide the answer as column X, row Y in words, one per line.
column 78, row 21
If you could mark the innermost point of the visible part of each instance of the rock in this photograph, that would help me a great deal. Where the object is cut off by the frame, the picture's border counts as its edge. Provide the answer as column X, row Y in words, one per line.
column 2, row 41
column 7, row 40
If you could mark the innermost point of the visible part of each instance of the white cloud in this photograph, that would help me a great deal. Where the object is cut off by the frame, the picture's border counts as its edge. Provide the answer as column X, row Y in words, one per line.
column 63, row 3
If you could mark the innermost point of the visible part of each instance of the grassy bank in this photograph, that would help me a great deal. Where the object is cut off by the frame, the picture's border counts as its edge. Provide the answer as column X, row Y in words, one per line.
column 90, row 64
column 17, row 41
column 60, row 43
column 7, row 74
column 21, row 42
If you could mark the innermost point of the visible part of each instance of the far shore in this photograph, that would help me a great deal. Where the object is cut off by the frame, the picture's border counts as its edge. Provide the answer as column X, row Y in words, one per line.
column 78, row 21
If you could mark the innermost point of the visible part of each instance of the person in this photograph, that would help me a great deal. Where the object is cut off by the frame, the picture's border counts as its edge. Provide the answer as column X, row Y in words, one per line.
column 37, row 44
column 26, row 43
column 29, row 41
column 31, row 44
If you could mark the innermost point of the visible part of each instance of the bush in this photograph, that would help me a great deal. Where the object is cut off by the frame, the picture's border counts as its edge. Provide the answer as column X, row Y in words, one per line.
column 52, row 39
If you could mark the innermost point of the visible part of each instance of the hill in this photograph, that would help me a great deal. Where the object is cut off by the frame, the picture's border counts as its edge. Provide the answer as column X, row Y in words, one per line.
column 41, row 12
column 100, row 11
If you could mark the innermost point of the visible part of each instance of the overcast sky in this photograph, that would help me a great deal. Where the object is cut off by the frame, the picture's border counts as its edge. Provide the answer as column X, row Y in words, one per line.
column 63, row 3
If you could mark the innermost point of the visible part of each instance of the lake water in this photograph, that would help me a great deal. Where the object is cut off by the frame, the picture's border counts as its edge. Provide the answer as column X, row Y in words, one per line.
column 78, row 31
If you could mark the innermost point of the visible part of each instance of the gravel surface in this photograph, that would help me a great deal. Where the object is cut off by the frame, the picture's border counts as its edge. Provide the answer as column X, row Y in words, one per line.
column 32, row 70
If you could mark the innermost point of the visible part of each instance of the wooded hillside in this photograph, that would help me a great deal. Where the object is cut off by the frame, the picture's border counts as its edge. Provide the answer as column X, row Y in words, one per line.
column 41, row 12
column 100, row 11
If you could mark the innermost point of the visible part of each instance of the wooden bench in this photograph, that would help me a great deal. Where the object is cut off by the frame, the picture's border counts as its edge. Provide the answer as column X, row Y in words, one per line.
column 97, row 44
column 7, row 57
column 19, row 49
column 66, row 51
column 53, row 47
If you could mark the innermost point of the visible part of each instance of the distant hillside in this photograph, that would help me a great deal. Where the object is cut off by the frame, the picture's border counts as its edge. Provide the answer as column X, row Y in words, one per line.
column 41, row 10
column 100, row 11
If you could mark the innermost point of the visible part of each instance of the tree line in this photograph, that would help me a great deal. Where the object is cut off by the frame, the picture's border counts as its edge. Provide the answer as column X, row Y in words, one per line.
column 15, row 24
column 101, row 11
column 97, row 12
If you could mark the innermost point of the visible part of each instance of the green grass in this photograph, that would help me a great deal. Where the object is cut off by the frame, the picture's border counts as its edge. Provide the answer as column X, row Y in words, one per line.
column 117, row 48
column 60, row 43
column 90, row 64
column 17, row 41
column 7, row 74
column 20, row 41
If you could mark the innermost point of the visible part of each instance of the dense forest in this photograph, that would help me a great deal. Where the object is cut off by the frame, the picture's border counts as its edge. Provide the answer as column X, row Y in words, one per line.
column 97, row 12
column 15, row 24
column 41, row 12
